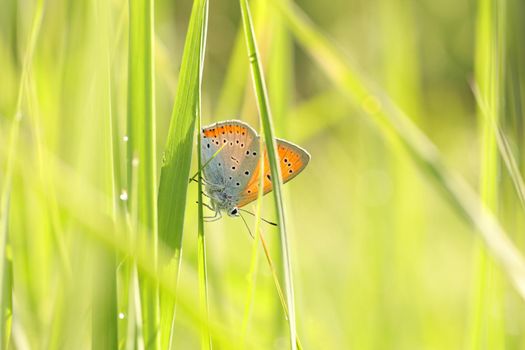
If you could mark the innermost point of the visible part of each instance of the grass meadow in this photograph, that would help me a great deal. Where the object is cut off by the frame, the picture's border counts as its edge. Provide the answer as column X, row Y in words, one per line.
column 405, row 231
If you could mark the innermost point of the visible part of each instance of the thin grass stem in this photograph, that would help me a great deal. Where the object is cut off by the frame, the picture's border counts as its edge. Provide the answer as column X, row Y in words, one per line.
column 271, row 146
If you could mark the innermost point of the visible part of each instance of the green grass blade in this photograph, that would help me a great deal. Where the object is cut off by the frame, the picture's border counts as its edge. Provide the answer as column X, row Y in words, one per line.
column 510, row 161
column 6, row 270
column 206, row 342
column 252, row 275
column 280, row 72
column 105, row 306
column 177, row 158
column 6, row 274
column 400, row 57
column 141, row 149
column 486, row 328
column 271, row 146
column 397, row 127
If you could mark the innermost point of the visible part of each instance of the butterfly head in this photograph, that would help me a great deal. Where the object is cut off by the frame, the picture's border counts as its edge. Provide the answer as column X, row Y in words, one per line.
column 233, row 212
column 222, row 199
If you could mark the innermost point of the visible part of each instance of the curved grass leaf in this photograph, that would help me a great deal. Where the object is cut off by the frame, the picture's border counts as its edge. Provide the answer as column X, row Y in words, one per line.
column 176, row 160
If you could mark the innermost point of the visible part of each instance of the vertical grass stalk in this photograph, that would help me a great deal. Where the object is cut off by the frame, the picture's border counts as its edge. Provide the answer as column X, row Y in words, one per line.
column 6, row 271
column 176, row 160
column 206, row 342
column 105, row 305
column 142, row 150
column 271, row 146
column 486, row 329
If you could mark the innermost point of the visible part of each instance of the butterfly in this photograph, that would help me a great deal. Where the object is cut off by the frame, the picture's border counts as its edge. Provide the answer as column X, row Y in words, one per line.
column 231, row 153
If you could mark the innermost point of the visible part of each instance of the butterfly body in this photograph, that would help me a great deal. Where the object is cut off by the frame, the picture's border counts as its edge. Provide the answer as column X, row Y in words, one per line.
column 231, row 152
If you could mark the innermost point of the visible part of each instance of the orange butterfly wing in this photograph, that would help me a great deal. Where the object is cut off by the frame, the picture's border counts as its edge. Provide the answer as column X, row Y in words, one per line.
column 292, row 160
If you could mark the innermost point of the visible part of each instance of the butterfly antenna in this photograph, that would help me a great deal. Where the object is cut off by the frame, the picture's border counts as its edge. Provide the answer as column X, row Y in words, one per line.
column 263, row 219
column 246, row 224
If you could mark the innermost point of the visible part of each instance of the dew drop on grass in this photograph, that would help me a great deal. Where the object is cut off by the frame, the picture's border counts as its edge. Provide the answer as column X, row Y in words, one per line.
column 135, row 162
column 123, row 195
column 125, row 138
column 121, row 315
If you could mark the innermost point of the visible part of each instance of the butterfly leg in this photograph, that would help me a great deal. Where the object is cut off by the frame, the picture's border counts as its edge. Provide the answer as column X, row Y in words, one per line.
column 203, row 182
column 216, row 217
column 207, row 206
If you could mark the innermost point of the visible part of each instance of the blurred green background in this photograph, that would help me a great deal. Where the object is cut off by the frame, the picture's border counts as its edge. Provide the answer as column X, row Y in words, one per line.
column 380, row 258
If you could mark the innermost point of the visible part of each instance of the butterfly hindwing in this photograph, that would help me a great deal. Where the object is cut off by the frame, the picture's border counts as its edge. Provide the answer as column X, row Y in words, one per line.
column 292, row 160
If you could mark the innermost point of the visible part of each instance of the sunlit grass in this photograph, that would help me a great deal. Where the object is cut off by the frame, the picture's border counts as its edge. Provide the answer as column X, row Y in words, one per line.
column 175, row 170
column 101, row 104
column 271, row 147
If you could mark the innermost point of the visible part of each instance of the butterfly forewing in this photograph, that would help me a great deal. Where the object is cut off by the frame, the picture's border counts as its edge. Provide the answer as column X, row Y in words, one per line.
column 234, row 164
column 292, row 160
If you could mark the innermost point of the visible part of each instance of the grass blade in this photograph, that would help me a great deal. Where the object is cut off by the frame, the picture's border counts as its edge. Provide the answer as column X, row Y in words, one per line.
column 504, row 148
column 487, row 329
column 105, row 305
column 397, row 127
column 206, row 342
column 6, row 270
column 141, row 149
column 271, row 146
column 176, row 160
